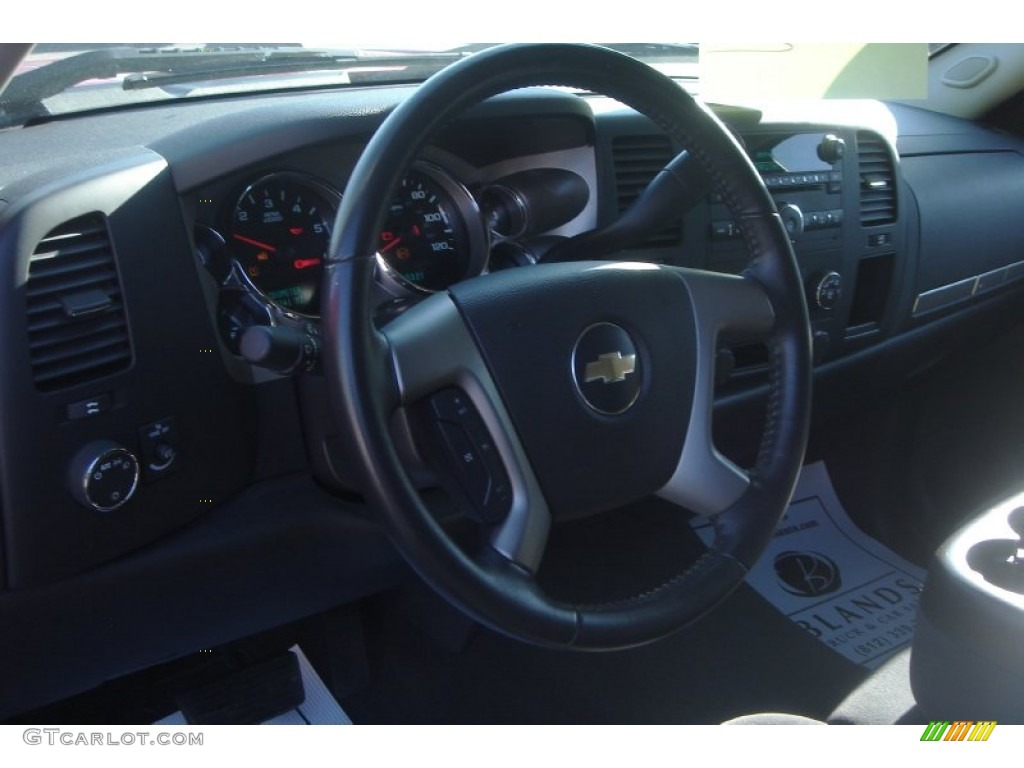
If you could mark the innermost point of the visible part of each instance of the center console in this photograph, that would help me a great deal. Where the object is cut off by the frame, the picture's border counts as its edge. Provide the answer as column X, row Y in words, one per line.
column 968, row 659
column 837, row 193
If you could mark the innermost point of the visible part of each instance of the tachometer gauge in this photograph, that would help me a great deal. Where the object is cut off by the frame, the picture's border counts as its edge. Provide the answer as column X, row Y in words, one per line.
column 433, row 235
column 280, row 230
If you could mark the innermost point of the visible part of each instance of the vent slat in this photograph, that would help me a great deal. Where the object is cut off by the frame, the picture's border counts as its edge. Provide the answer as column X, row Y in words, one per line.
column 90, row 369
column 645, row 156
column 73, row 258
column 54, row 334
column 104, row 281
column 67, row 350
column 65, row 265
column 54, row 317
column 48, row 250
column 638, row 178
column 84, row 225
column 636, row 160
column 875, row 165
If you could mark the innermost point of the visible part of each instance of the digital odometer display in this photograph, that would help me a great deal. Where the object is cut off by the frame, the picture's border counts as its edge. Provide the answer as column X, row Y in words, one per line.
column 280, row 230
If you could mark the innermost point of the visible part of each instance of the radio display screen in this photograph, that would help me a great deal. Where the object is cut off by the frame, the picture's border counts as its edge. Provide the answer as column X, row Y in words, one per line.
column 788, row 153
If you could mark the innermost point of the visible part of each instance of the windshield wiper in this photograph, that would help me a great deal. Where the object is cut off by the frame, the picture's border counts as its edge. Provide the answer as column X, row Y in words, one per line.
column 23, row 98
column 414, row 66
column 148, row 66
column 652, row 52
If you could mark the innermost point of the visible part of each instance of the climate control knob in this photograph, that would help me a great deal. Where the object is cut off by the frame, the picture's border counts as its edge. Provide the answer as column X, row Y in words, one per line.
column 825, row 289
column 103, row 476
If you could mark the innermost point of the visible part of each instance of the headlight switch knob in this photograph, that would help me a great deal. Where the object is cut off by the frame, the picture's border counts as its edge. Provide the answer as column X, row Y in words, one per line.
column 103, row 476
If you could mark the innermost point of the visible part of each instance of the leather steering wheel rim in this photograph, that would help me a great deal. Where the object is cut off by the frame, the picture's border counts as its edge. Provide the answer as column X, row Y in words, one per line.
column 368, row 386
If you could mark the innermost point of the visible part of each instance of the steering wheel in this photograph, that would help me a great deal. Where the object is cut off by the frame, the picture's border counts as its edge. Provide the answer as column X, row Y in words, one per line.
column 574, row 387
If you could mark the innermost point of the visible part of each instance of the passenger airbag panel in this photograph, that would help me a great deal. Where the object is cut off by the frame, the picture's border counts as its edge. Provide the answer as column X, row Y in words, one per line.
column 970, row 210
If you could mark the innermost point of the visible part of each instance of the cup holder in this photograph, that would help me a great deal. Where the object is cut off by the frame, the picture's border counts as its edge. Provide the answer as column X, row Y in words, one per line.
column 967, row 661
column 996, row 561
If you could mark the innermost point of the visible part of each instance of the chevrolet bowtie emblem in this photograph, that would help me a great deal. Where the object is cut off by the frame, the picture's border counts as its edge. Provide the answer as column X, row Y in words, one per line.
column 610, row 367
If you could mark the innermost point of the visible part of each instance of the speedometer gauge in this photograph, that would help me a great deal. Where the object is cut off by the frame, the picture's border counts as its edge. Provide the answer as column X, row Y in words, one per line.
column 280, row 230
column 433, row 235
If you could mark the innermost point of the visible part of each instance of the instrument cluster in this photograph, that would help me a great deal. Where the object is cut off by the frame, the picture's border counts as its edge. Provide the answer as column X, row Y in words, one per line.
column 267, row 246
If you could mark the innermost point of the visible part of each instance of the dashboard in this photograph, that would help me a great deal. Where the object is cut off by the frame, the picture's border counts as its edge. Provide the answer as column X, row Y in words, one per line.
column 163, row 425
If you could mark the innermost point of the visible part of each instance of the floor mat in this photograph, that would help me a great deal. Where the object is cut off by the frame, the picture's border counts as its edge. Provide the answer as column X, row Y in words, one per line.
column 319, row 707
column 743, row 657
column 838, row 584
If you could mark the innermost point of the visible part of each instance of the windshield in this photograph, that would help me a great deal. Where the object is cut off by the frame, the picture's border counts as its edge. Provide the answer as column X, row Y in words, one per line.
column 66, row 78
column 58, row 79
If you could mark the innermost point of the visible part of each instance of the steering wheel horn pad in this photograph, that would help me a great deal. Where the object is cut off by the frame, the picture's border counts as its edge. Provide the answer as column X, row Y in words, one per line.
column 528, row 322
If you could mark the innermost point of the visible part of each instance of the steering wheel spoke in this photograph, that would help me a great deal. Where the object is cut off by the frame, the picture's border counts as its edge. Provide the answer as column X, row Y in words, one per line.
column 706, row 482
column 433, row 352
column 732, row 305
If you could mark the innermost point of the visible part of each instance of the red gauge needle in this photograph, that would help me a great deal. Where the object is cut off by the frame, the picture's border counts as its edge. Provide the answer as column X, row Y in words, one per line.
column 257, row 243
column 391, row 244
column 303, row 263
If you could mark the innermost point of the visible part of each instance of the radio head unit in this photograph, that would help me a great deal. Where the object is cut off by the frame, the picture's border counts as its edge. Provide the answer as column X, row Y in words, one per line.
column 803, row 171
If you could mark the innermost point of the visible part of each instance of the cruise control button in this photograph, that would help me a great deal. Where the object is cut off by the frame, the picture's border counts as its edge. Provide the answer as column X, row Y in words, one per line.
column 451, row 405
column 472, row 470
column 479, row 470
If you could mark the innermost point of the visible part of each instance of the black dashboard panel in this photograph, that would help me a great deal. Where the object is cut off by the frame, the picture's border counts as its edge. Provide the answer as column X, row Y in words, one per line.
column 970, row 214
column 909, row 207
column 174, row 375
column 178, row 398
column 839, row 188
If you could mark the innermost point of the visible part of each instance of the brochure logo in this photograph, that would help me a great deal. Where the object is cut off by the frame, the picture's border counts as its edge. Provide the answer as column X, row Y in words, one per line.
column 958, row 730
column 807, row 574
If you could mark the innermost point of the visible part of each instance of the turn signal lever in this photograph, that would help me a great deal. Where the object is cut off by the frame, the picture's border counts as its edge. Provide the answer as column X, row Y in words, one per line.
column 281, row 349
column 676, row 188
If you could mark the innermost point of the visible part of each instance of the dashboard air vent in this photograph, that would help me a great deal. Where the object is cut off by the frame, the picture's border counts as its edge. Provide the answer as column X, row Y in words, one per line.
column 76, row 321
column 637, row 159
column 877, row 180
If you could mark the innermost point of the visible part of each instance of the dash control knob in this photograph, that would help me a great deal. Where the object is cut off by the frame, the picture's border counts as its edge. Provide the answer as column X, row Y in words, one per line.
column 831, row 149
column 793, row 219
column 825, row 289
column 103, row 476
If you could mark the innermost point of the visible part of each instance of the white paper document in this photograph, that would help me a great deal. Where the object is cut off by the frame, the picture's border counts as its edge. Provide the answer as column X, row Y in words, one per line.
column 835, row 582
